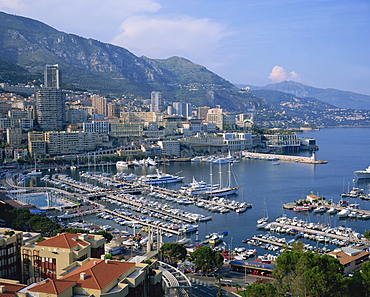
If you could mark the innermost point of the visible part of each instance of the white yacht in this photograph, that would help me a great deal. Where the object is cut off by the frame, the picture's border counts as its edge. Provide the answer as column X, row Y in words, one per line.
column 160, row 178
column 363, row 174
column 344, row 213
column 197, row 188
column 121, row 164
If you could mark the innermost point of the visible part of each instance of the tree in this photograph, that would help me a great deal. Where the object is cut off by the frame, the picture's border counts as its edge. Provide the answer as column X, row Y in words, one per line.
column 365, row 276
column 367, row 234
column 108, row 236
column 260, row 290
column 9, row 233
column 308, row 274
column 172, row 253
column 206, row 259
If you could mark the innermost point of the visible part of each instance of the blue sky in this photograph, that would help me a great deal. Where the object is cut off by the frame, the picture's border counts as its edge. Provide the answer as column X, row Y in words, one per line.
column 322, row 43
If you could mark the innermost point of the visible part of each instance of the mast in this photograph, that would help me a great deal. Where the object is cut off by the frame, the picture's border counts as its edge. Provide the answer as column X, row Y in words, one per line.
column 211, row 176
column 220, row 174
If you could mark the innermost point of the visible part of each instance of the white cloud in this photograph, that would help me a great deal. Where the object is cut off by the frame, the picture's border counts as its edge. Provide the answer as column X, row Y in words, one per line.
column 162, row 38
column 279, row 74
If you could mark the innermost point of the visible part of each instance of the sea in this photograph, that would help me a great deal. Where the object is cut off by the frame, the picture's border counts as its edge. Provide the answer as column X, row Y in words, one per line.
column 268, row 186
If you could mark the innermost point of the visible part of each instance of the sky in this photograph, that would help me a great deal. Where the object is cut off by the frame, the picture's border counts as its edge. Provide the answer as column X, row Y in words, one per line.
column 321, row 43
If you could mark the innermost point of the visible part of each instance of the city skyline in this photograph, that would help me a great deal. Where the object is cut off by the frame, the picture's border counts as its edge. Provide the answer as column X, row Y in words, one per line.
column 319, row 43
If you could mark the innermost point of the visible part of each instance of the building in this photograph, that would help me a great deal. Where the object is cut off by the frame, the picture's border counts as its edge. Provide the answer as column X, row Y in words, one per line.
column 20, row 154
column 36, row 144
column 156, row 102
column 126, row 129
column 100, row 104
column 113, row 109
column 170, row 148
column 183, row 109
column 283, row 142
column 52, row 76
column 98, row 126
column 10, row 253
column 223, row 121
column 76, row 116
column 202, row 112
column 50, row 101
column 351, row 258
column 96, row 277
column 14, row 136
column 49, row 258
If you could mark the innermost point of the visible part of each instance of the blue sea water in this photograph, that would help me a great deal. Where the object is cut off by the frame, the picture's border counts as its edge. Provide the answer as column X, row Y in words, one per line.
column 345, row 149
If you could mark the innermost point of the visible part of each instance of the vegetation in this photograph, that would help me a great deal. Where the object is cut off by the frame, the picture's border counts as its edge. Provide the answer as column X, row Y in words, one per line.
column 206, row 259
column 171, row 253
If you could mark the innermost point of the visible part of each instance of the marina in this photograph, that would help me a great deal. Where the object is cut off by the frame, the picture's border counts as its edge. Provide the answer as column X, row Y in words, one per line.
column 264, row 185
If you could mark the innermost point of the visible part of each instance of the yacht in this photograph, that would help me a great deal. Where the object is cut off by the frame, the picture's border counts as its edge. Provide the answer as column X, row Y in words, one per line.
column 197, row 188
column 121, row 164
column 344, row 213
column 160, row 178
column 320, row 209
column 363, row 174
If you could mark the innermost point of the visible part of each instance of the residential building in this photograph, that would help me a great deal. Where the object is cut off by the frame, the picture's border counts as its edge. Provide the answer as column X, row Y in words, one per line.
column 14, row 136
column 170, row 148
column 140, row 116
column 202, row 112
column 36, row 144
column 182, row 108
column 126, row 129
column 98, row 126
column 50, row 257
column 50, row 101
column 20, row 154
column 100, row 104
column 10, row 253
column 113, row 109
column 156, row 102
column 351, row 258
column 101, row 278
column 76, row 116
column 52, row 76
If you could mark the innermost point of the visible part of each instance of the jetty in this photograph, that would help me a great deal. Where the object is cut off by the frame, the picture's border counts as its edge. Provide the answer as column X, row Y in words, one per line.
column 285, row 158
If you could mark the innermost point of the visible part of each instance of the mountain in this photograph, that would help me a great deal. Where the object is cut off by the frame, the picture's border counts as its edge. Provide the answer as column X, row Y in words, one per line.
column 108, row 69
column 335, row 97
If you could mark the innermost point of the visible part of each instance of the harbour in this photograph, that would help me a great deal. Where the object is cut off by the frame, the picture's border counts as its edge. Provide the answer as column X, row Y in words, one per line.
column 260, row 180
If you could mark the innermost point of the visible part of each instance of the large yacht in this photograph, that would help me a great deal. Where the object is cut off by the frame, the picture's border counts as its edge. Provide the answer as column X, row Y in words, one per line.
column 121, row 164
column 197, row 188
column 363, row 174
column 160, row 178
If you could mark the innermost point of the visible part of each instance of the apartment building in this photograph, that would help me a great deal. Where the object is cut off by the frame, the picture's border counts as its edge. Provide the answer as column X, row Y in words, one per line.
column 10, row 253
column 49, row 258
column 170, row 148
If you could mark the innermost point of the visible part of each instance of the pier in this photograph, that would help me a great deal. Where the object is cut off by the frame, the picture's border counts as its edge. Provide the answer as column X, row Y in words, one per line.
column 285, row 158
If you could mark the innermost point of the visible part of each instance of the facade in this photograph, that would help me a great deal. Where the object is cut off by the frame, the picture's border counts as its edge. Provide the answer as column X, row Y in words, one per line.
column 156, row 102
column 98, row 126
column 126, row 129
column 76, row 116
column 10, row 253
column 49, row 258
column 36, row 144
column 183, row 109
column 170, row 148
column 52, row 76
column 14, row 136
column 223, row 121
column 140, row 116
column 50, row 108
column 58, row 143
column 19, row 154
column 113, row 109
column 100, row 104
column 202, row 112
column 285, row 142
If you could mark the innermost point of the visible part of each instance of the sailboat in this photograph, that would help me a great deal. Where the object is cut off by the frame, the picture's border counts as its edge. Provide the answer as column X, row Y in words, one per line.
column 223, row 191
column 265, row 217
column 35, row 171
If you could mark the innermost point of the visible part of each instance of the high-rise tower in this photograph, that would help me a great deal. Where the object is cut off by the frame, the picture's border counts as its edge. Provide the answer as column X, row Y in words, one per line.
column 50, row 101
column 156, row 102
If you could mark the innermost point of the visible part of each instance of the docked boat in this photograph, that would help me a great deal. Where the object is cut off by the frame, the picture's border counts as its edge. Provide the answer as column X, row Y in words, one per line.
column 363, row 174
column 344, row 213
column 121, row 164
column 332, row 210
column 197, row 188
column 160, row 178
column 35, row 172
column 320, row 209
column 300, row 208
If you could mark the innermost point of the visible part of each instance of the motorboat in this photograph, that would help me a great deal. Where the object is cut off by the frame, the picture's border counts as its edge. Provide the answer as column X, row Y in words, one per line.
column 121, row 164
column 344, row 213
column 363, row 174
column 320, row 209
column 332, row 210
column 300, row 208
column 160, row 178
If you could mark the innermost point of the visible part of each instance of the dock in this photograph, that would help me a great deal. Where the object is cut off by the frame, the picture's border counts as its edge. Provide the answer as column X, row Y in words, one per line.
column 285, row 158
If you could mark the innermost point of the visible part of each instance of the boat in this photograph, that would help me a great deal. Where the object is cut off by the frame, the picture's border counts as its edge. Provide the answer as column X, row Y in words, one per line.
column 332, row 210
column 344, row 213
column 160, row 178
column 300, row 208
column 222, row 191
column 320, row 209
column 196, row 159
column 265, row 217
column 363, row 174
column 121, row 164
column 35, row 172
column 197, row 188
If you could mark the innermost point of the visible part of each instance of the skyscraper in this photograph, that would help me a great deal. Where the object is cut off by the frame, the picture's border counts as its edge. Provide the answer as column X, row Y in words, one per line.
column 50, row 101
column 181, row 108
column 100, row 104
column 52, row 76
column 156, row 102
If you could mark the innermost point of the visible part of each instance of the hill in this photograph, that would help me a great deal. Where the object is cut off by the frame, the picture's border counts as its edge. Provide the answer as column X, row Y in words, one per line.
column 108, row 69
column 335, row 97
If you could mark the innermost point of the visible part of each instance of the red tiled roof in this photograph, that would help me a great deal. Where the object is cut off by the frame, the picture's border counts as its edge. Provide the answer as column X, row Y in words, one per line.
column 344, row 258
column 52, row 286
column 98, row 273
column 63, row 240
column 10, row 289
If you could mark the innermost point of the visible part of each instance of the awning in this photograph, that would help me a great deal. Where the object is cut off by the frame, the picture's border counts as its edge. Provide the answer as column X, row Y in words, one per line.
column 252, row 265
